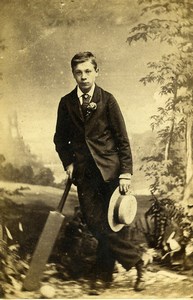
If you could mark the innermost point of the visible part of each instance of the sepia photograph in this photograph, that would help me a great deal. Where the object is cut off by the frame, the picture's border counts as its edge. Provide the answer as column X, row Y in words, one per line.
column 96, row 149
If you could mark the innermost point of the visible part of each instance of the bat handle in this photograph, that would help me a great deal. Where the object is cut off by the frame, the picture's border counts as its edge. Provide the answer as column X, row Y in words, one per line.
column 64, row 196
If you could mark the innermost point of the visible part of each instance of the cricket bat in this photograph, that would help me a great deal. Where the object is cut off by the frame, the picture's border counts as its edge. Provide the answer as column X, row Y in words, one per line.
column 45, row 244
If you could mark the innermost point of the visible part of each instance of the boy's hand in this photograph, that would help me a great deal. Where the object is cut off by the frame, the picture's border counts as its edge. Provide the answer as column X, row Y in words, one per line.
column 69, row 170
column 124, row 185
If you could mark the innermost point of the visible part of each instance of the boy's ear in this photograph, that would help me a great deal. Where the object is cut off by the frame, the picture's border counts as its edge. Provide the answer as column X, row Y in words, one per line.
column 97, row 71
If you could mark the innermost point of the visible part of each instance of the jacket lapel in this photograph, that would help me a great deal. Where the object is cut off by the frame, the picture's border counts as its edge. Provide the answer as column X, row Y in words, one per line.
column 76, row 107
column 96, row 98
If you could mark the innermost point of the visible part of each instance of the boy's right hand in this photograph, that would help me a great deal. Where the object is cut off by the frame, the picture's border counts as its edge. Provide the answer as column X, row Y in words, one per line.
column 70, row 170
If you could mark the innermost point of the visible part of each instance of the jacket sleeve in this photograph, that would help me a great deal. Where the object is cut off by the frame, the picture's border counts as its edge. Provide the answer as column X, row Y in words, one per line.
column 118, row 128
column 62, row 137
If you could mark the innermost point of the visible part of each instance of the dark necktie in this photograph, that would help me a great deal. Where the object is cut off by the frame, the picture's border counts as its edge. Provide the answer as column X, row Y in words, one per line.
column 85, row 102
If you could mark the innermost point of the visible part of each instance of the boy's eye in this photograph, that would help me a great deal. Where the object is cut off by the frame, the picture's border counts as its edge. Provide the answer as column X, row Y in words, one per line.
column 88, row 71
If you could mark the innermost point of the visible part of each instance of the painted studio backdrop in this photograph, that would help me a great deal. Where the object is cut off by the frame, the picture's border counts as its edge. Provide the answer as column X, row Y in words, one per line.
column 145, row 57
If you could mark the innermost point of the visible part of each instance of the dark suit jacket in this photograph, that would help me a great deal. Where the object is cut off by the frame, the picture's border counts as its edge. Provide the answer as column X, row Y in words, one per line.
column 102, row 134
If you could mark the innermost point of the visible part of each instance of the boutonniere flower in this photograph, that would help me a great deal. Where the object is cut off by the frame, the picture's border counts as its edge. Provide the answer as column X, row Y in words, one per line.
column 90, row 108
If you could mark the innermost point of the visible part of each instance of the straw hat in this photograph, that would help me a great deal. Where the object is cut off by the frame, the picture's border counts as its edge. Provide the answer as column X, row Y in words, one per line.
column 122, row 210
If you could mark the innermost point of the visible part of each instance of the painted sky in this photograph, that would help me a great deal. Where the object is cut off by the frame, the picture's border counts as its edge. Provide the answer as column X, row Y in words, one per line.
column 42, row 36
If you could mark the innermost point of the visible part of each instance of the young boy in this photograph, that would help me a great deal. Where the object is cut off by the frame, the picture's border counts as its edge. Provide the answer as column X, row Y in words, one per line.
column 93, row 145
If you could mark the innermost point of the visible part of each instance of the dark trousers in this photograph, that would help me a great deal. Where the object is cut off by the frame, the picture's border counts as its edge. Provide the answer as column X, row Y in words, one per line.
column 94, row 195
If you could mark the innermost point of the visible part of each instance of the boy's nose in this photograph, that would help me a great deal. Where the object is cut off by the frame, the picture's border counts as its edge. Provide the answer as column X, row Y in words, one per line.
column 84, row 76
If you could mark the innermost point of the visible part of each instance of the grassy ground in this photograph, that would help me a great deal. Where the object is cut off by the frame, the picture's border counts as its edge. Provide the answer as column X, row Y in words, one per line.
column 33, row 205
column 35, row 202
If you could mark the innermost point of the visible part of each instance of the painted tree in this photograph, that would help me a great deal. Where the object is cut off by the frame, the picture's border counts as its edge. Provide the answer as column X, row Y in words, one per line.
column 170, row 22
column 169, row 125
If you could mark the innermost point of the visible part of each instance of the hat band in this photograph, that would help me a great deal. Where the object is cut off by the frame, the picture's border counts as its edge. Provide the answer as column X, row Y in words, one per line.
column 116, row 210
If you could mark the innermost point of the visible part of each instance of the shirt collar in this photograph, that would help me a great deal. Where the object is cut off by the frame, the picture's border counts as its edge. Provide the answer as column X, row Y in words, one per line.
column 90, row 93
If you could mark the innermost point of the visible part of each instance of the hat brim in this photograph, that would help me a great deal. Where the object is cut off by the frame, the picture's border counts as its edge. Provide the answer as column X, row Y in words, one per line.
column 132, row 210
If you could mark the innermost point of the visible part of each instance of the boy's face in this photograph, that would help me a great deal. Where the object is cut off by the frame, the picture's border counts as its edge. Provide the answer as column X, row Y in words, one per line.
column 85, row 75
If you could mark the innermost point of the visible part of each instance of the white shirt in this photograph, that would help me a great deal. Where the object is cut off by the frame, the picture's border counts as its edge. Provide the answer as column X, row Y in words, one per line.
column 80, row 93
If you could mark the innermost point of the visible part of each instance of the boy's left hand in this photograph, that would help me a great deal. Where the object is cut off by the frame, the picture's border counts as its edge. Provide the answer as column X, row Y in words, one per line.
column 124, row 185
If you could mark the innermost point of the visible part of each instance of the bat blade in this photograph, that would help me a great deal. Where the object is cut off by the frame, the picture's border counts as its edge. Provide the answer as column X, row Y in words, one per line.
column 43, row 250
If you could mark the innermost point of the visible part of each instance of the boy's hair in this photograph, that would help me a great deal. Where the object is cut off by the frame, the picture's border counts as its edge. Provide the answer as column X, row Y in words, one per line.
column 83, row 57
